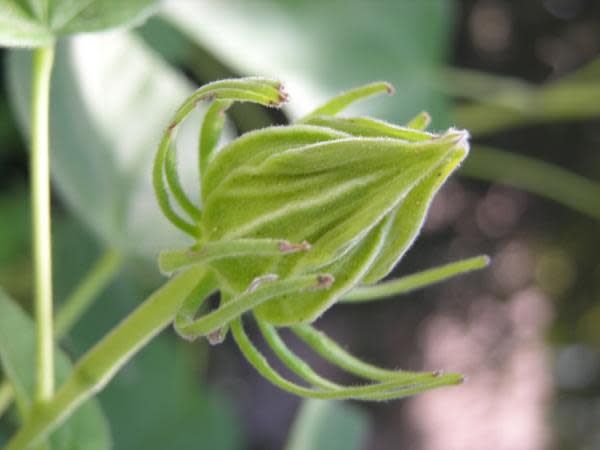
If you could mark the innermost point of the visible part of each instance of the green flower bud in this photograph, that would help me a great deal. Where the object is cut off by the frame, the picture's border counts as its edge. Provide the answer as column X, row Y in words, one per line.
column 356, row 190
column 358, row 201
column 295, row 217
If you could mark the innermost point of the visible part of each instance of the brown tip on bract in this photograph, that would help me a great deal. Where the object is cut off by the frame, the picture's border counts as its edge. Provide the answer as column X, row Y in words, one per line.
column 289, row 247
column 324, row 281
column 463, row 379
column 216, row 337
column 389, row 87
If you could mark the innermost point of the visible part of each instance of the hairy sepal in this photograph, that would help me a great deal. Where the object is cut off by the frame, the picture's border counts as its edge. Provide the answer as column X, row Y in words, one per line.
column 254, row 147
column 344, row 196
column 307, row 306
column 408, row 216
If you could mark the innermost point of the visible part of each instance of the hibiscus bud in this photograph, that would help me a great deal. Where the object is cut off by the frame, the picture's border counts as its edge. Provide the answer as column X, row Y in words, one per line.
column 359, row 202
column 295, row 217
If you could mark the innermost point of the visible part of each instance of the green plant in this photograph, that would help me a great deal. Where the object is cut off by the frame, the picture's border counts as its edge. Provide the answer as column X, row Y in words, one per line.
column 284, row 265
column 375, row 181
column 362, row 185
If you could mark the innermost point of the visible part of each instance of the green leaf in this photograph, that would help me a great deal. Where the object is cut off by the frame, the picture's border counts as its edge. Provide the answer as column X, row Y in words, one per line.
column 179, row 412
column 328, row 425
column 103, row 137
column 34, row 23
column 87, row 428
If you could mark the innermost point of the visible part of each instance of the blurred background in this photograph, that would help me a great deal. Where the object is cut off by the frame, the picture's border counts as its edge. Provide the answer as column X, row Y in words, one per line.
column 523, row 77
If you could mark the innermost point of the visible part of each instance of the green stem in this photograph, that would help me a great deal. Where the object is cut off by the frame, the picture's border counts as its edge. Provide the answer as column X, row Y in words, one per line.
column 40, row 202
column 75, row 306
column 98, row 277
column 97, row 367
column 499, row 102
column 415, row 281
column 6, row 396
column 538, row 177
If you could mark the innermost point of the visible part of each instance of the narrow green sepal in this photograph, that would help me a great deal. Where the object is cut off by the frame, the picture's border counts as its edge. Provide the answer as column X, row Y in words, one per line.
column 172, row 176
column 332, row 352
column 420, row 122
column 373, row 392
column 210, row 132
column 342, row 101
column 170, row 261
column 368, row 127
column 257, row 293
column 416, row 281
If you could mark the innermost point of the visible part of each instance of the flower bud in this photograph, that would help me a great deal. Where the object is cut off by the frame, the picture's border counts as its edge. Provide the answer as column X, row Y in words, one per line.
column 294, row 217
column 357, row 197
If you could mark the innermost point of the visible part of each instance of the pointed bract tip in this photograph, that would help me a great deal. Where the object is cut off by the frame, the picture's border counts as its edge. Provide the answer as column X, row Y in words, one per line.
column 324, row 281
column 458, row 135
column 216, row 337
column 389, row 87
column 456, row 138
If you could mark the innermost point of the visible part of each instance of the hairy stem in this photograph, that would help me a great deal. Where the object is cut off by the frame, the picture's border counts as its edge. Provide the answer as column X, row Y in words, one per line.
column 97, row 367
column 40, row 201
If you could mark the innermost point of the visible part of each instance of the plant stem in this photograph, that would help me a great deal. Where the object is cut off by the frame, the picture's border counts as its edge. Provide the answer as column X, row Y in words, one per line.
column 539, row 177
column 40, row 202
column 75, row 306
column 97, row 367
column 103, row 271
column 6, row 396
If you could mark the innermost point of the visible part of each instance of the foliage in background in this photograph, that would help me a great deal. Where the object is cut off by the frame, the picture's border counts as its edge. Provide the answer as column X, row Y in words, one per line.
column 427, row 20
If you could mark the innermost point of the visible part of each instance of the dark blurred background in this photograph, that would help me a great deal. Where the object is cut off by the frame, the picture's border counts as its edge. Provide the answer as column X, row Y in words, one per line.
column 524, row 330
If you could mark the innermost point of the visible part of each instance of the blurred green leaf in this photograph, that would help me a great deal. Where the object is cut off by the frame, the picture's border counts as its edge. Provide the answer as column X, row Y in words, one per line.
column 87, row 429
column 106, row 120
column 156, row 403
column 320, row 48
column 14, row 217
column 32, row 23
column 328, row 425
